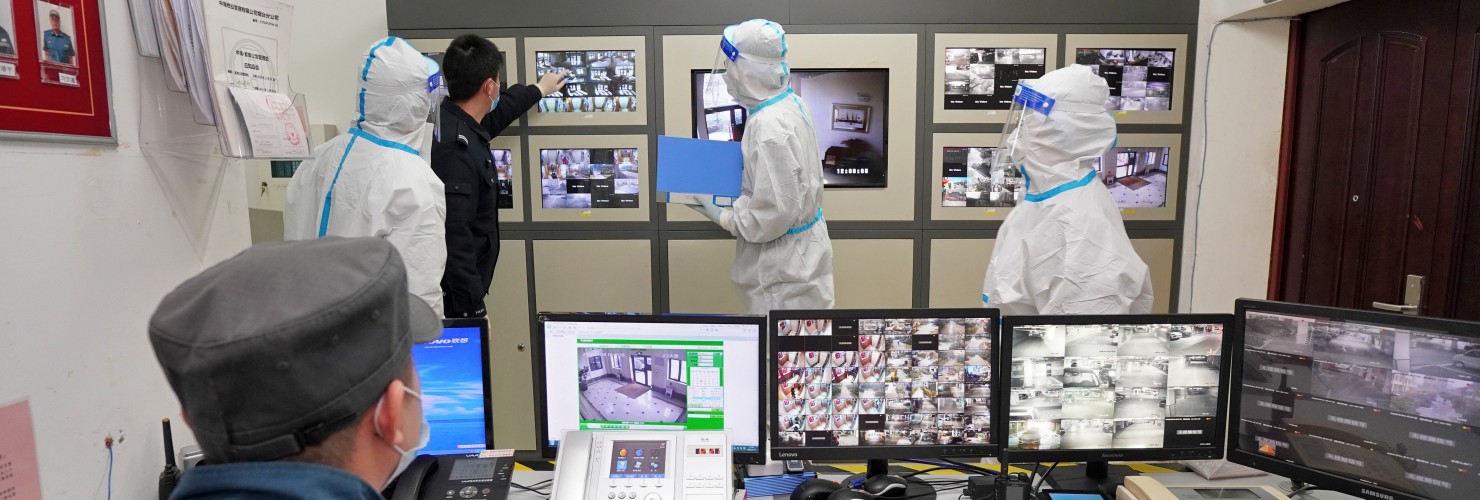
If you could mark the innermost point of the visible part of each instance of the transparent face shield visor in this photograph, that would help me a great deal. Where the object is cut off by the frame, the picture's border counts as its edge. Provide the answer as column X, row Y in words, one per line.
column 436, row 87
column 1010, row 149
column 714, row 82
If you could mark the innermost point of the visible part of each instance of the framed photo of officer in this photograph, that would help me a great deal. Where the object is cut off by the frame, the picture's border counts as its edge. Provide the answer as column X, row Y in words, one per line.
column 9, row 55
column 56, row 27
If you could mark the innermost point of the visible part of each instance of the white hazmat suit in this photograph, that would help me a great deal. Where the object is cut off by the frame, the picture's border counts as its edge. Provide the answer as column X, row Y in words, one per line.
column 375, row 180
column 1064, row 250
column 783, row 255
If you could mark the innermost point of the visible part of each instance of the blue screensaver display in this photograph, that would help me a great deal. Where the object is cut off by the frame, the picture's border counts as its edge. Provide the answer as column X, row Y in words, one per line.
column 451, row 371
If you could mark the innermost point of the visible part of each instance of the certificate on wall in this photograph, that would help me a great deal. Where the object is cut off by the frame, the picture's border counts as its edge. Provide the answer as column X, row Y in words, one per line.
column 53, row 72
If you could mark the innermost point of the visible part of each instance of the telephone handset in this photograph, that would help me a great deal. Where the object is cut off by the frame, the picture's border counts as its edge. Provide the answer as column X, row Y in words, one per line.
column 454, row 477
column 643, row 465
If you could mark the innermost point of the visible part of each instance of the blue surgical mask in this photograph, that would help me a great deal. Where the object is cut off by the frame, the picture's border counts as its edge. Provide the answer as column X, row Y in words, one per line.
column 406, row 455
column 494, row 105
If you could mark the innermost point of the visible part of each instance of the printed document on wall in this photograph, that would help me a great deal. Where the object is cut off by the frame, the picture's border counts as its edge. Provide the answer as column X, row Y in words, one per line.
column 247, row 43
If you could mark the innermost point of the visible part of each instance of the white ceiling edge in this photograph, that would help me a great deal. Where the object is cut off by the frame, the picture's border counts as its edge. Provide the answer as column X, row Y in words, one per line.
column 1281, row 8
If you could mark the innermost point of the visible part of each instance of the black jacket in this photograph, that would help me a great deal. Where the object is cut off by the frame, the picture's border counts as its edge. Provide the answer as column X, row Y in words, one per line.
column 461, row 157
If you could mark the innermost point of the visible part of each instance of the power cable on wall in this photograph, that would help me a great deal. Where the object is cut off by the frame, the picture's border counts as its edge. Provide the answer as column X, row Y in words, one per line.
column 1203, row 168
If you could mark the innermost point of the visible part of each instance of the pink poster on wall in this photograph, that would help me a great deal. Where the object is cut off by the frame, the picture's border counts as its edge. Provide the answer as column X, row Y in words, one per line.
column 20, row 476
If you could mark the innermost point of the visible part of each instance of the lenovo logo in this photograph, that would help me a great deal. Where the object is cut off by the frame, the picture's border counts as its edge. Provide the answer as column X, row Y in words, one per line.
column 787, row 454
column 449, row 341
column 1112, row 455
column 1374, row 494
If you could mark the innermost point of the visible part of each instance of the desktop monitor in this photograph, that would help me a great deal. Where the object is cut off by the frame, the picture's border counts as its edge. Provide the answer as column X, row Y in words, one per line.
column 1375, row 405
column 882, row 384
column 454, row 387
column 641, row 372
column 1109, row 387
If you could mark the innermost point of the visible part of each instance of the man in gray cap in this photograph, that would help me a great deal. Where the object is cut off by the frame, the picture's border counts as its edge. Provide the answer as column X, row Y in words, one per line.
column 292, row 362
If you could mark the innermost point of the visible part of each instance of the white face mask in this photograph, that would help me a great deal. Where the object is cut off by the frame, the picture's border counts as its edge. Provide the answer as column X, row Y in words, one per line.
column 406, row 455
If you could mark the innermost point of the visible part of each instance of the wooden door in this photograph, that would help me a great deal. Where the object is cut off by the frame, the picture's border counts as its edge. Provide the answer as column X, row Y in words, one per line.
column 1365, row 194
column 1463, row 211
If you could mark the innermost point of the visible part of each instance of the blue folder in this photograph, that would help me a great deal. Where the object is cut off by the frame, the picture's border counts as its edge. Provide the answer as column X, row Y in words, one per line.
column 699, row 166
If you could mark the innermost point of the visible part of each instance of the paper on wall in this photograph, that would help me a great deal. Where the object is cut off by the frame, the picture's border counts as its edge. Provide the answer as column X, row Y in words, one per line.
column 142, row 12
column 248, row 48
column 20, row 474
column 171, row 52
column 188, row 20
column 274, row 126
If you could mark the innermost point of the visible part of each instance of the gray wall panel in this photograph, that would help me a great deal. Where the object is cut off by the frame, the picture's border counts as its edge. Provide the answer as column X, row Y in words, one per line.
column 993, row 11
column 466, row 14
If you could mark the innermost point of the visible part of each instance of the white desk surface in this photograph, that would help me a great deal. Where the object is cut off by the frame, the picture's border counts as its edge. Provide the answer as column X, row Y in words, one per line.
column 527, row 478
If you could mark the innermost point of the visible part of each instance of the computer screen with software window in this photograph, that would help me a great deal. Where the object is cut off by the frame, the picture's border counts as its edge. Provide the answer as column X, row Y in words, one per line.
column 621, row 372
column 454, row 381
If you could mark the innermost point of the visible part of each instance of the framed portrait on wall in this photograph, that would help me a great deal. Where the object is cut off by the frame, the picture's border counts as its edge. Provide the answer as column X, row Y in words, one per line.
column 54, row 82
column 850, row 117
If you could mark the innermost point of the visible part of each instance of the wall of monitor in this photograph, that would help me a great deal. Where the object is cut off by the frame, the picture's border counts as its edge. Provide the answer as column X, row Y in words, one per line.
column 907, row 105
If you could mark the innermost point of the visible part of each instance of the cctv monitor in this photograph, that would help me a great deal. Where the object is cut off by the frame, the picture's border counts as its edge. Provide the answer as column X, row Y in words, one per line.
column 454, row 388
column 597, row 81
column 1109, row 387
column 881, row 384
column 847, row 107
column 1139, row 79
column 640, row 372
column 1374, row 405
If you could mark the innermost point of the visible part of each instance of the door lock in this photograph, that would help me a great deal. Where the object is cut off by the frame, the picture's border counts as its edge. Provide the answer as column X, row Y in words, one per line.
column 1412, row 298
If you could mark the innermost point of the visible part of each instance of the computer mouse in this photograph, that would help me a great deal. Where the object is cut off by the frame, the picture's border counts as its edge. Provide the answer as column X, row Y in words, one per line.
column 886, row 486
column 847, row 494
column 815, row 489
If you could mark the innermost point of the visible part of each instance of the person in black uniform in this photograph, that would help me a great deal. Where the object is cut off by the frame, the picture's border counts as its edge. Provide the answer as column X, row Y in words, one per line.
column 476, row 110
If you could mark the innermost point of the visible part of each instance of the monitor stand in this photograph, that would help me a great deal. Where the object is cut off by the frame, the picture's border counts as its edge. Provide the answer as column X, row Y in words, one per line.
column 917, row 489
column 1097, row 476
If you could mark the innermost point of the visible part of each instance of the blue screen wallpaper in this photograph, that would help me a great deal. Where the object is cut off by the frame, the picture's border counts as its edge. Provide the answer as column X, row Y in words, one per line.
column 451, row 371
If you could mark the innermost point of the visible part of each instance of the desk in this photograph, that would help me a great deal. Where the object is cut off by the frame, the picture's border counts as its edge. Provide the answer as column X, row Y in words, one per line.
column 528, row 477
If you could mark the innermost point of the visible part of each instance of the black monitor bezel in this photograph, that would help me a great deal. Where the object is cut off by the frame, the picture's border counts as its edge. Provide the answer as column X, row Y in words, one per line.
column 1298, row 472
column 482, row 325
column 537, row 351
column 772, row 386
column 1220, row 422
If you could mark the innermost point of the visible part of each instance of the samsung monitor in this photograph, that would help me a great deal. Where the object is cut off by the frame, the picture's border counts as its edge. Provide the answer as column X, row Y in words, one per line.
column 640, row 372
column 848, row 108
column 1100, row 388
column 1379, row 406
column 454, row 388
column 881, row 384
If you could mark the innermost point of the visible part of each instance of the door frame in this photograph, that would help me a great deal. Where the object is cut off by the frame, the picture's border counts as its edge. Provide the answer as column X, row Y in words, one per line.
column 1286, row 175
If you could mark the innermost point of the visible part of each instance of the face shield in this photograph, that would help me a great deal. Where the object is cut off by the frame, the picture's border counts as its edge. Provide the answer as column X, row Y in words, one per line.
column 1010, row 149
column 726, row 54
column 437, row 89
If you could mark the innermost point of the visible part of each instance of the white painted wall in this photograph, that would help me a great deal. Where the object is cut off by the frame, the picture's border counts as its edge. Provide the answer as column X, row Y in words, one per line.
column 1245, row 110
column 93, row 242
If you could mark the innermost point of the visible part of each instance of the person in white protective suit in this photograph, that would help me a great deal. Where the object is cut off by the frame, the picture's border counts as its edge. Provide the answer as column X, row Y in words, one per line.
column 783, row 255
column 1064, row 250
column 376, row 180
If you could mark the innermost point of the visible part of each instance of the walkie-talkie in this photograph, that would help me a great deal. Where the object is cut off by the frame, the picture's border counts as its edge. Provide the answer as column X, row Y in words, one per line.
column 171, row 474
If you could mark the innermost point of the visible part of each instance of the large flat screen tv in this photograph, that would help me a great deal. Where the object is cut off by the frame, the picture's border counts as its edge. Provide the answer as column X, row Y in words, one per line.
column 849, row 109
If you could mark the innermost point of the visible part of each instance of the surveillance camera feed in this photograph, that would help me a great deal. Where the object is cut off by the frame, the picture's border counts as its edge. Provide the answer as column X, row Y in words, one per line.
column 1114, row 386
column 985, row 78
column 1387, row 406
column 600, row 81
column 503, row 162
column 589, row 178
column 1140, row 80
column 883, row 382
column 1137, row 179
column 849, row 109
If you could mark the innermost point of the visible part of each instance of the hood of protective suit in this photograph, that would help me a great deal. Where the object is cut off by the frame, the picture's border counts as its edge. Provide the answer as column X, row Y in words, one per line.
column 1060, row 148
column 393, row 99
column 759, row 72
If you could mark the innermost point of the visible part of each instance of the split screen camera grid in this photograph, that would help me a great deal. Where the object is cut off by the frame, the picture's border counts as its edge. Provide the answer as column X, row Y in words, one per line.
column 884, row 382
column 1086, row 387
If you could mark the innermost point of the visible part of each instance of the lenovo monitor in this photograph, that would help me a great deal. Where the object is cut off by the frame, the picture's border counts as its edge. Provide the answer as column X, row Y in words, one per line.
column 454, row 388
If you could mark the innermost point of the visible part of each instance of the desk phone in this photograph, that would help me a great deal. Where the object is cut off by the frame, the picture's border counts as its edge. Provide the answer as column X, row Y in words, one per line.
column 643, row 465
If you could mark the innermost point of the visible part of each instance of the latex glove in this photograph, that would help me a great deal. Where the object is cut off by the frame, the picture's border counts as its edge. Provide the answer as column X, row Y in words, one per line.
column 707, row 207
